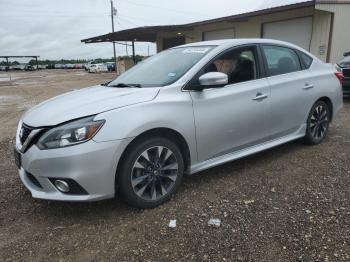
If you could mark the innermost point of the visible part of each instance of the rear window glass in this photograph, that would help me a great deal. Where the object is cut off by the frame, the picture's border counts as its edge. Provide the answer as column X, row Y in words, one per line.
column 281, row 60
column 306, row 60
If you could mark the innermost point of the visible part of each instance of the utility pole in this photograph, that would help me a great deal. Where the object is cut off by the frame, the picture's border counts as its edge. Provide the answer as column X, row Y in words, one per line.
column 113, row 13
column 133, row 52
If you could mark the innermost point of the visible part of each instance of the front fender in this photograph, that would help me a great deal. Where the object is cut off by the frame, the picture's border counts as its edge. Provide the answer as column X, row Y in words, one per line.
column 171, row 110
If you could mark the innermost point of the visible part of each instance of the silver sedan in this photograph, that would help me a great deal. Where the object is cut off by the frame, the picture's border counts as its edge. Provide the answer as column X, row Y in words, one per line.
column 179, row 112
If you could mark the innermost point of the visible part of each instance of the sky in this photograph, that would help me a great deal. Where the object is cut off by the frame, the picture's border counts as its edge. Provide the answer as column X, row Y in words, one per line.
column 53, row 29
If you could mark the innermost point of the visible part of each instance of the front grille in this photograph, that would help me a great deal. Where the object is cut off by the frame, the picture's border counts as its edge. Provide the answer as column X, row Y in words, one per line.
column 25, row 132
column 346, row 72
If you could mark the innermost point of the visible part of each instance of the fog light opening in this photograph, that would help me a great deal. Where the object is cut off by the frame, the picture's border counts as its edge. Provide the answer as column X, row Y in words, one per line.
column 62, row 186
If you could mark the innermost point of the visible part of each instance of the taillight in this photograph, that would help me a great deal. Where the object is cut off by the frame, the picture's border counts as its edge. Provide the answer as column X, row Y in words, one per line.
column 340, row 77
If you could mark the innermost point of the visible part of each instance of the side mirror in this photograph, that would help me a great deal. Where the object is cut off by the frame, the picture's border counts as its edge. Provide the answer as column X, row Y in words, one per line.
column 346, row 53
column 213, row 79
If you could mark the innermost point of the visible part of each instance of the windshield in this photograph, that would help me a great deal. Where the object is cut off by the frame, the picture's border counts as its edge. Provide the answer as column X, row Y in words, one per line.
column 164, row 68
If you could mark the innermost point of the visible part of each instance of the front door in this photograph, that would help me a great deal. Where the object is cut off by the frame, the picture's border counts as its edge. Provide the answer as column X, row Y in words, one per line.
column 236, row 116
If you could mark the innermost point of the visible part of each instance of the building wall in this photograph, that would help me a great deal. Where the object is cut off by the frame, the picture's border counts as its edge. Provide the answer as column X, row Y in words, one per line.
column 162, row 35
column 320, row 34
column 252, row 28
column 340, row 42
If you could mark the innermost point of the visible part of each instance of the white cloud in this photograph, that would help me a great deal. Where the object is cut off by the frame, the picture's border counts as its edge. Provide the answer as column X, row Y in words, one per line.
column 53, row 29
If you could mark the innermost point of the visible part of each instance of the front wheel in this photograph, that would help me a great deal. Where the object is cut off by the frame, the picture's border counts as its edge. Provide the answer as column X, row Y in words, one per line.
column 150, row 173
column 317, row 123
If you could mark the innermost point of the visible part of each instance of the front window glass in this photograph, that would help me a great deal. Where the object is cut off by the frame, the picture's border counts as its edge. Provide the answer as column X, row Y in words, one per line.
column 240, row 65
column 164, row 68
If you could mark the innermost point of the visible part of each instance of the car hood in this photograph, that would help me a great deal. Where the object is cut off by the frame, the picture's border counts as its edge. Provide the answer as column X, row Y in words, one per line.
column 85, row 102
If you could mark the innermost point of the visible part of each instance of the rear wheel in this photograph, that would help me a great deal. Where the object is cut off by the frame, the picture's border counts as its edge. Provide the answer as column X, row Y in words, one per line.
column 151, row 173
column 317, row 123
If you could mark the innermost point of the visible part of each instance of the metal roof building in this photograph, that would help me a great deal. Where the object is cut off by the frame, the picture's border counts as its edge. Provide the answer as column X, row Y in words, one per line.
column 320, row 26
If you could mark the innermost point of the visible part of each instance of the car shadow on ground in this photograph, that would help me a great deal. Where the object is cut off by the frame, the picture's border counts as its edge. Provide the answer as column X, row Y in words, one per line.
column 201, row 179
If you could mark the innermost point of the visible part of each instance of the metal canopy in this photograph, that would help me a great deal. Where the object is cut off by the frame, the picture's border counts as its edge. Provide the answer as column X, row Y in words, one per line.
column 20, row 56
column 139, row 34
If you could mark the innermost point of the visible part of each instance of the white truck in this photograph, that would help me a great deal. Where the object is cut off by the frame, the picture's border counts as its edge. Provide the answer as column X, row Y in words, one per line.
column 98, row 68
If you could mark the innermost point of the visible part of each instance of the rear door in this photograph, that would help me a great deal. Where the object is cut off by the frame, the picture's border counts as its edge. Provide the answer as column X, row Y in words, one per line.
column 291, row 89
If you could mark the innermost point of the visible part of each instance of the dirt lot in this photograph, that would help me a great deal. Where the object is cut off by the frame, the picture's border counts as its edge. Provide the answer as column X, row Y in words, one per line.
column 290, row 203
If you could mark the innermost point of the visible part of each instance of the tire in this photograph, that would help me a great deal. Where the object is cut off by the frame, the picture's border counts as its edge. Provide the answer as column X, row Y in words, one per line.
column 317, row 123
column 151, row 172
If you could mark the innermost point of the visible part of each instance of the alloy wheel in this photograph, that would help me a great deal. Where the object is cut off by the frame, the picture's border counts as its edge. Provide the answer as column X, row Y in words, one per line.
column 154, row 173
column 319, row 122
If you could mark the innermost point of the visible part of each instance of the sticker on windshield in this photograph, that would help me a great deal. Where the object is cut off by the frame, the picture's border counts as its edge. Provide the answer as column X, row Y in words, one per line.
column 197, row 50
column 172, row 74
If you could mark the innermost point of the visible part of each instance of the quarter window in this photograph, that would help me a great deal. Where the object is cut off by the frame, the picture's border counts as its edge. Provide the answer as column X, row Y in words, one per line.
column 305, row 60
column 281, row 60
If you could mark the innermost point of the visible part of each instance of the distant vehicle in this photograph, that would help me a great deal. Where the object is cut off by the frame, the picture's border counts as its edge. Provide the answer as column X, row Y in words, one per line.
column 4, row 68
column 69, row 66
column 78, row 66
column 42, row 66
column 29, row 68
column 344, row 66
column 110, row 66
column 182, row 111
column 58, row 66
column 18, row 67
column 87, row 66
column 98, row 68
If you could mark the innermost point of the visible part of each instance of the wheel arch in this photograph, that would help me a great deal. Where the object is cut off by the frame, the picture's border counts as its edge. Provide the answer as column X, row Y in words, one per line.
column 328, row 101
column 164, row 132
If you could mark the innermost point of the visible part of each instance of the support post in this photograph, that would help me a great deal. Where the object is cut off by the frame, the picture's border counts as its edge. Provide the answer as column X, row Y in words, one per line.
column 36, row 62
column 133, row 52
column 114, row 52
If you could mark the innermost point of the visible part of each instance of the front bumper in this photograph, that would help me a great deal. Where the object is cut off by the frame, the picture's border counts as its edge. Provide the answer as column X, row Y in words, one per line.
column 92, row 165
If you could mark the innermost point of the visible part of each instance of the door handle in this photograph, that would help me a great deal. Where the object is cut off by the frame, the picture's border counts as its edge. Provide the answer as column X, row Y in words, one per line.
column 259, row 97
column 308, row 86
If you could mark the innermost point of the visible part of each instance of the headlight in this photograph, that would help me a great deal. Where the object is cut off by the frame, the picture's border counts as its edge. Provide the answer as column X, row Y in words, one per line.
column 72, row 133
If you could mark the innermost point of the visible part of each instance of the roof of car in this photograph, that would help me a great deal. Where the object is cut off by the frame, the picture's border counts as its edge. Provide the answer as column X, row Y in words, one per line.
column 237, row 41
column 227, row 43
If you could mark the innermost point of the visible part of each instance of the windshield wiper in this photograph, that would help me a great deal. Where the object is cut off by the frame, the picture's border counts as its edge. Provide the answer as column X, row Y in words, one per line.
column 106, row 84
column 125, row 85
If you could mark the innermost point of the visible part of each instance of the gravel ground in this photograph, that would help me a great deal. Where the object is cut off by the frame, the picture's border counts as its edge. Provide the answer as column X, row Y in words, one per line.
column 290, row 203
